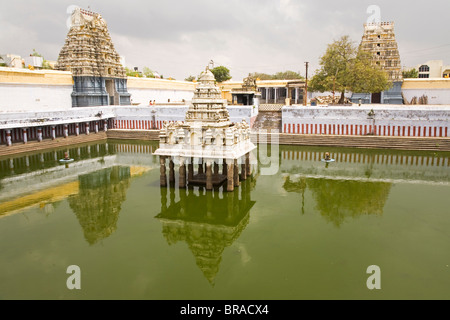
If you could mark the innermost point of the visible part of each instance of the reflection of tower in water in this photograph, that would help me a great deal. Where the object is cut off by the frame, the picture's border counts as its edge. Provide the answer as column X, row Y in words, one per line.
column 208, row 221
column 98, row 203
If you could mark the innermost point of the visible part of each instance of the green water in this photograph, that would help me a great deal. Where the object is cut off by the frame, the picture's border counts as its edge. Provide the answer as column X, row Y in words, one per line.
column 309, row 231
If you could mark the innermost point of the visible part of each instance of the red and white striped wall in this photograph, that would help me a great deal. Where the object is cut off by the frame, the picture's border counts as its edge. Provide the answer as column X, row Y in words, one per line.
column 365, row 129
column 137, row 124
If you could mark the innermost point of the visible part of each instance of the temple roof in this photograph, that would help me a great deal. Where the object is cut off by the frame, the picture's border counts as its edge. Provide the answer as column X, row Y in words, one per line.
column 207, row 106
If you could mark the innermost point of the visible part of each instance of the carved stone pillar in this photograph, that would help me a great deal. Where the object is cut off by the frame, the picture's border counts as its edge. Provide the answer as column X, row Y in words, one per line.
column 247, row 164
column 230, row 174
column 39, row 134
column 163, row 178
column 8, row 138
column 25, row 136
column 209, row 184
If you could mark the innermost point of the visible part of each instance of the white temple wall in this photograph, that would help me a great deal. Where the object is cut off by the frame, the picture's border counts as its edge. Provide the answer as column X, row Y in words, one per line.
column 435, row 96
column 418, row 121
column 143, row 96
column 17, row 97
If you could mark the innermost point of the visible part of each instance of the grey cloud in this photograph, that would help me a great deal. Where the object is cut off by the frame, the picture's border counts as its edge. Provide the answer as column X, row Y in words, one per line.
column 173, row 36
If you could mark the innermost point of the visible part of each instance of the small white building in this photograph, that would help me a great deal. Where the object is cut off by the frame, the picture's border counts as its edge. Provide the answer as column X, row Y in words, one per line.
column 433, row 69
column 35, row 62
column 11, row 60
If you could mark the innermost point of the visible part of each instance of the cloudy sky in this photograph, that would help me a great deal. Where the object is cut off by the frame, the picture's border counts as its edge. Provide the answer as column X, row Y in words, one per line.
column 178, row 38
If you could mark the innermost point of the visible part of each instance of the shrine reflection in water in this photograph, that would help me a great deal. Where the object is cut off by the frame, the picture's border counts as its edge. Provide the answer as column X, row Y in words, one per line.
column 309, row 231
column 208, row 221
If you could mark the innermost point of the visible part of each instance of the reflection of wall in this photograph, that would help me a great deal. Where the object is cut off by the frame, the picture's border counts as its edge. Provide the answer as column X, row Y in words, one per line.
column 98, row 203
column 379, row 165
column 339, row 199
column 207, row 221
column 38, row 179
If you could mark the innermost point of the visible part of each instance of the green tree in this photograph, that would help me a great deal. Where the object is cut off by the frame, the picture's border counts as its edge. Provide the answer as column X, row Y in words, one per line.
column 132, row 73
column 347, row 68
column 221, row 73
column 367, row 77
column 413, row 73
column 147, row 72
column 190, row 79
column 36, row 54
column 286, row 75
column 262, row 76
column 46, row 65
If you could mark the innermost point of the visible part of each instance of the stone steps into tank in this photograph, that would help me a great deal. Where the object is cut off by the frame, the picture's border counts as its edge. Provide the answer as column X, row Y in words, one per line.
column 268, row 120
column 124, row 134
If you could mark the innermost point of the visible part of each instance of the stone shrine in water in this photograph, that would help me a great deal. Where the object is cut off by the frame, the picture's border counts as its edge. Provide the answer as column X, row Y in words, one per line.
column 208, row 140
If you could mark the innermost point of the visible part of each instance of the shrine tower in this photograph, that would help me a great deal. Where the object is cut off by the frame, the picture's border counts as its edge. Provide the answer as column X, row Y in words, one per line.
column 379, row 40
column 98, row 75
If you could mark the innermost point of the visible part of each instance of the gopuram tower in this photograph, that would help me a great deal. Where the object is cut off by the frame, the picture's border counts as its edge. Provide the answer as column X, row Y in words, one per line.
column 207, row 139
column 379, row 40
column 99, row 77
